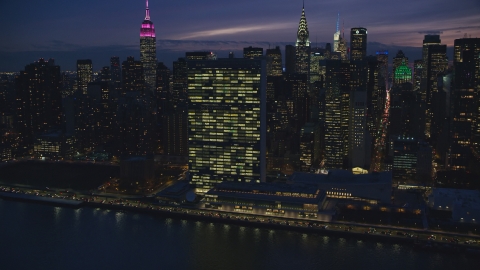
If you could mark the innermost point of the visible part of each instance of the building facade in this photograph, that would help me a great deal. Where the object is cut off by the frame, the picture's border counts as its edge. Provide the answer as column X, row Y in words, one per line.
column 227, row 121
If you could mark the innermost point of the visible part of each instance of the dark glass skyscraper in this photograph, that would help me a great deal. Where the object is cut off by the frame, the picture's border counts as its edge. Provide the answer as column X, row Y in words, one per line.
column 148, row 51
column 464, row 130
column 358, row 43
column 252, row 52
column 274, row 62
column 116, row 73
column 132, row 76
column 434, row 63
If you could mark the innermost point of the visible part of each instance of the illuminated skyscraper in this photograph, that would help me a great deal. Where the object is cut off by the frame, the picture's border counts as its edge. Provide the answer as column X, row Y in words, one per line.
column 417, row 74
column 302, row 47
column 148, row 51
column 398, row 60
column 465, row 114
column 317, row 72
column 227, row 121
column 435, row 62
column 84, row 74
column 252, row 52
column 336, row 36
column 336, row 102
column 358, row 43
column 274, row 62
column 403, row 74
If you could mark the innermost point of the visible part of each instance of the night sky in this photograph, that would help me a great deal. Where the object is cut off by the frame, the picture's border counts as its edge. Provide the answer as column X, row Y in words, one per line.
column 71, row 30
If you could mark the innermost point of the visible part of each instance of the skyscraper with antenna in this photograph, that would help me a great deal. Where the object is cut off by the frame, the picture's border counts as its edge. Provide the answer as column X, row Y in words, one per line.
column 148, row 51
column 302, row 46
column 336, row 35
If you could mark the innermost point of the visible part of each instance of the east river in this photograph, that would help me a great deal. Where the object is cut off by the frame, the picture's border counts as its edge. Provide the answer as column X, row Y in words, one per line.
column 34, row 236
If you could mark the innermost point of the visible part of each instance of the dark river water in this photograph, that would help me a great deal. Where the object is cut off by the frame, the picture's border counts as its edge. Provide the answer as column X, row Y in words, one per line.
column 36, row 236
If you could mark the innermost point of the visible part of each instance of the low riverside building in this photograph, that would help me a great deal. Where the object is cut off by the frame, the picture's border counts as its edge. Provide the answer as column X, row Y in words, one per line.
column 464, row 204
column 53, row 146
column 276, row 199
column 176, row 193
column 374, row 187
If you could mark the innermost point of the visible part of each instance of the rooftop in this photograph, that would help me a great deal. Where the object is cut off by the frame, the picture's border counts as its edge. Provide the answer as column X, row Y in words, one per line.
column 341, row 176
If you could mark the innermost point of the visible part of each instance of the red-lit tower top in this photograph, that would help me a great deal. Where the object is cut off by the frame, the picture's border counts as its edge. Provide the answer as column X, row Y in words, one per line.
column 147, row 30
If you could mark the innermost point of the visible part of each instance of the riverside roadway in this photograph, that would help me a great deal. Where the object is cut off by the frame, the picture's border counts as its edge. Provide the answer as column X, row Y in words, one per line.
column 132, row 203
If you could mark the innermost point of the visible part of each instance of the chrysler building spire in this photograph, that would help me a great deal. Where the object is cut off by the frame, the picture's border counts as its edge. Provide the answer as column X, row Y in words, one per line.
column 302, row 47
column 302, row 33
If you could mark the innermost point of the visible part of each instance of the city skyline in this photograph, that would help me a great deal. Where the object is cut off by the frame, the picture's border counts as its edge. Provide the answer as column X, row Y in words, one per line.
column 92, row 32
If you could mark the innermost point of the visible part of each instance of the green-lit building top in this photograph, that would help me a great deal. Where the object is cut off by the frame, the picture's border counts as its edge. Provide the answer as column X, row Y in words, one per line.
column 403, row 74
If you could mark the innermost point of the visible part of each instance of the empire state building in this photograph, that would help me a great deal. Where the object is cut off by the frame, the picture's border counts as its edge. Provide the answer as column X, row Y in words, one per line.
column 148, row 51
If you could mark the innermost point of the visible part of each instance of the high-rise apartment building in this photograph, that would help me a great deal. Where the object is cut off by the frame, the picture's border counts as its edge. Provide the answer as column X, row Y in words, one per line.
column 358, row 43
column 132, row 76
column 39, row 101
column 227, row 121
column 148, row 51
column 302, row 47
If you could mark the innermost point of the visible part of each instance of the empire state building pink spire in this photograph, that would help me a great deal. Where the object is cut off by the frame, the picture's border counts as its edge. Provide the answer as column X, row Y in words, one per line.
column 148, row 51
column 147, row 13
column 147, row 30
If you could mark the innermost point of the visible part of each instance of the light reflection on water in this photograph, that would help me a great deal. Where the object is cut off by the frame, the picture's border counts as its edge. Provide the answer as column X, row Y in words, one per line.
column 57, row 211
column 81, row 238
column 119, row 217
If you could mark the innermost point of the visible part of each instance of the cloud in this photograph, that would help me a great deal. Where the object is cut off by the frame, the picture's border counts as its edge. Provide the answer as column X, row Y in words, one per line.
column 233, row 30
column 213, row 45
column 431, row 32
